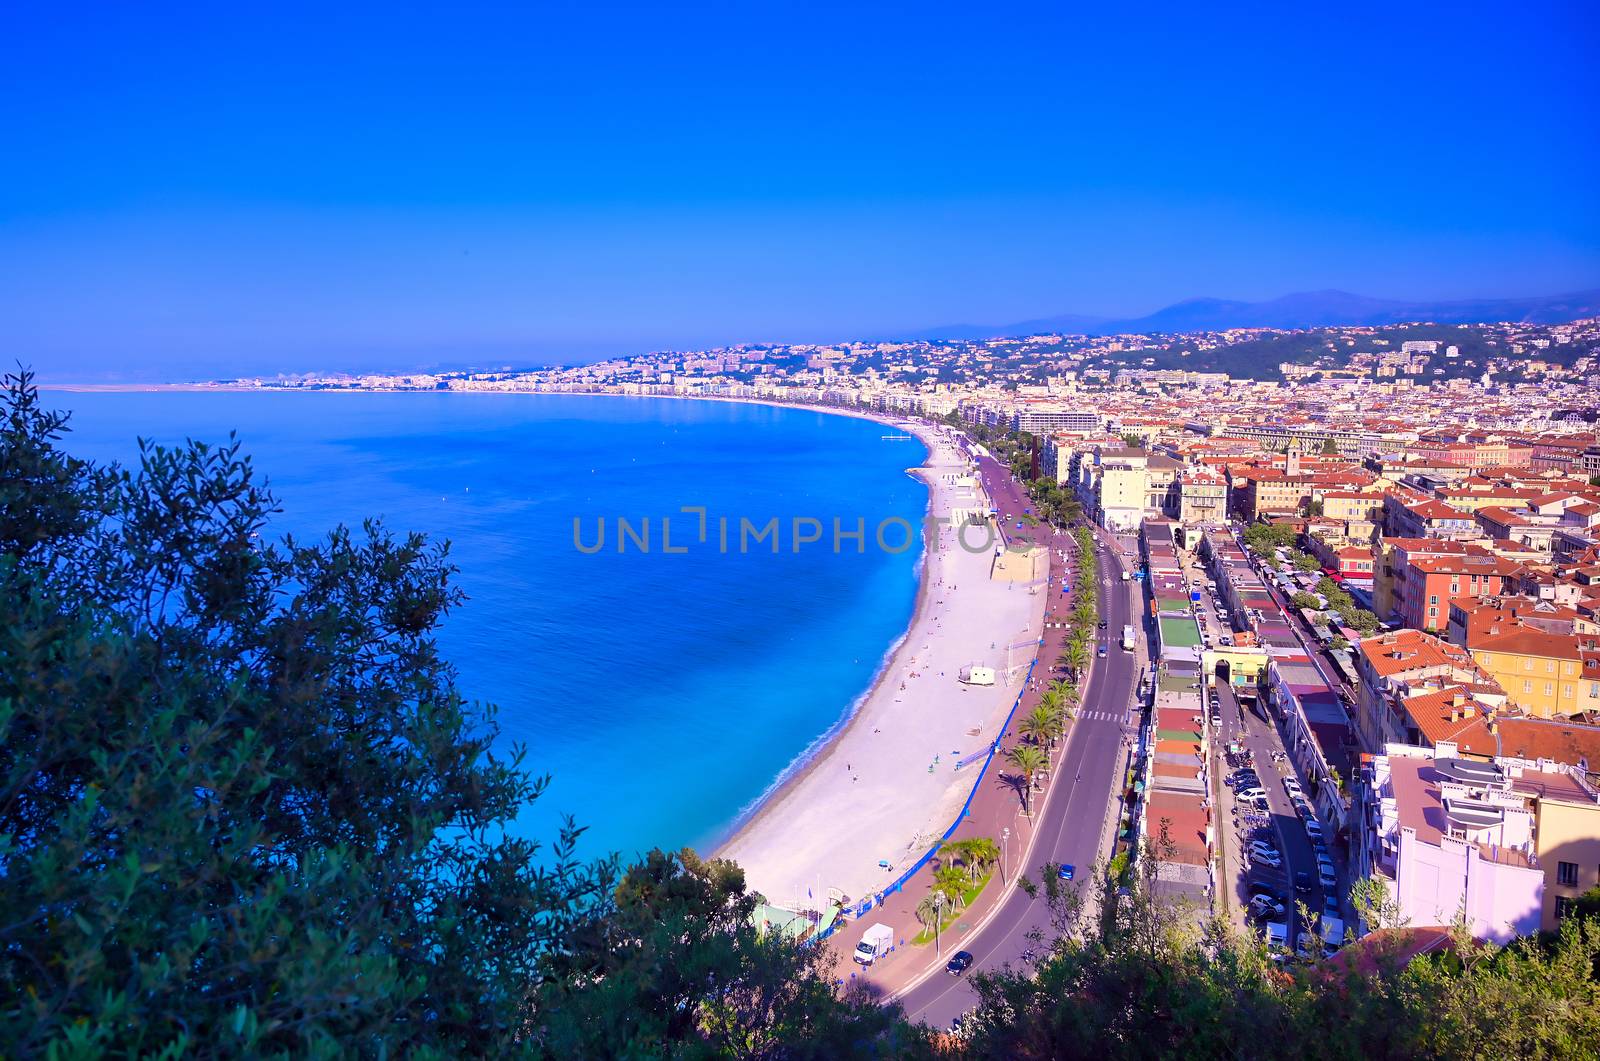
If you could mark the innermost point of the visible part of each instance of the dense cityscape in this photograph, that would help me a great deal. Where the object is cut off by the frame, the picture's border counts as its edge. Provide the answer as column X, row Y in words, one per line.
column 1380, row 545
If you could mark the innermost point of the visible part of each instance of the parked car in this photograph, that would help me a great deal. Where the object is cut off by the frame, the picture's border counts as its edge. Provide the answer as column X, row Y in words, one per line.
column 1253, row 793
column 1326, row 878
column 959, row 962
column 1259, row 858
column 1261, row 908
column 1314, row 828
column 1292, row 786
column 1260, row 889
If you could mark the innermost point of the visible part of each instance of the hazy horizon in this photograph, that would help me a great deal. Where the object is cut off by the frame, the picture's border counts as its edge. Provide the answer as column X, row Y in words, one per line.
column 228, row 195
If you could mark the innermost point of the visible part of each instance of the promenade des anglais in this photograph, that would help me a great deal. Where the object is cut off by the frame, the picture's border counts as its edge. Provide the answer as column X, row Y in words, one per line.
column 778, row 533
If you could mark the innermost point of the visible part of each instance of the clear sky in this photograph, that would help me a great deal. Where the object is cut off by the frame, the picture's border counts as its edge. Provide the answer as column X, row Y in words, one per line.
column 246, row 188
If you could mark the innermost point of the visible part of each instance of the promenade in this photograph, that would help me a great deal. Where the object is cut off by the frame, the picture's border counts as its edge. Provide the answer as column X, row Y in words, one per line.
column 1069, row 812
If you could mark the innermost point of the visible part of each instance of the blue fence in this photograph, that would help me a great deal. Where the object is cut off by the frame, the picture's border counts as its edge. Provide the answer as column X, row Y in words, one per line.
column 994, row 747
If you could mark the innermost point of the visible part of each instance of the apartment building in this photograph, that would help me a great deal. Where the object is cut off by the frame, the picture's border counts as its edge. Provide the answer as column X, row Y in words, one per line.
column 1542, row 673
column 1426, row 583
column 1202, row 496
column 1407, row 516
column 1458, row 839
column 1390, row 665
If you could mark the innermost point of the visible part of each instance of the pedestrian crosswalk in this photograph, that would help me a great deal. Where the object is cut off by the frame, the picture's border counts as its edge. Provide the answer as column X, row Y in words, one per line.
column 1103, row 716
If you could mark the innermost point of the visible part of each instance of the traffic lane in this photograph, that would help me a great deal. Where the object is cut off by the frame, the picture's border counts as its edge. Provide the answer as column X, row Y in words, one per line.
column 1005, row 939
column 1069, row 832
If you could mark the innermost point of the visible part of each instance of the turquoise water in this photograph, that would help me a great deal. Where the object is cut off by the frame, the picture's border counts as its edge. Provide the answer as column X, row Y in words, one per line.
column 664, row 693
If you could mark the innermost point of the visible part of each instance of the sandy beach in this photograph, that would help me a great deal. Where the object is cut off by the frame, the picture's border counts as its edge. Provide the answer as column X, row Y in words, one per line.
column 889, row 783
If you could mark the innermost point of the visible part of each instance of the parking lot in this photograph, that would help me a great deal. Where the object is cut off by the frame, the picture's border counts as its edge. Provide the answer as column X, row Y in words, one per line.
column 1269, row 850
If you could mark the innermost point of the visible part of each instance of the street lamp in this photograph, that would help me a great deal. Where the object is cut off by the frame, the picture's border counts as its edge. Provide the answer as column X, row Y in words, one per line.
column 1005, row 835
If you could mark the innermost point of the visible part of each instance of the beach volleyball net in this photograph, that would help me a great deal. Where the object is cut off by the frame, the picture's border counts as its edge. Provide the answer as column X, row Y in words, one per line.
column 1018, row 658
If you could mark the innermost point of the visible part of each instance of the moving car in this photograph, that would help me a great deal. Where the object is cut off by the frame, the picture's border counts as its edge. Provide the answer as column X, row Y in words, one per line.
column 959, row 962
column 1302, row 883
column 1101, row 651
column 1066, row 872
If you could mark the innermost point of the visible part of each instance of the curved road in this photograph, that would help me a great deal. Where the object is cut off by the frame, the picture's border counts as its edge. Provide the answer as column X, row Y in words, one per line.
column 1072, row 822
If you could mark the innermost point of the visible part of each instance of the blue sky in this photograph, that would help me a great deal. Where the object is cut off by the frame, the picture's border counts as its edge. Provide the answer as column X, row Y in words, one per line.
column 198, row 192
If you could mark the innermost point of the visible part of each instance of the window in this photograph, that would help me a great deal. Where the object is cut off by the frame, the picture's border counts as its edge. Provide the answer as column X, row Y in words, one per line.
column 1549, row 690
column 1527, row 686
column 1564, row 906
column 1433, row 599
column 1567, row 873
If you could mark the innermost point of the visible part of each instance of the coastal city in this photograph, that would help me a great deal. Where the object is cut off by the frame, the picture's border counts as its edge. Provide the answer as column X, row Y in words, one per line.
column 1358, row 692
column 795, row 532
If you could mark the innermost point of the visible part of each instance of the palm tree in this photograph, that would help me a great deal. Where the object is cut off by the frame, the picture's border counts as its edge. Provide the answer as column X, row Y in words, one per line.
column 955, row 851
column 1030, row 760
column 983, row 852
column 930, row 911
column 1054, row 716
column 1036, row 726
column 1075, row 657
column 952, row 882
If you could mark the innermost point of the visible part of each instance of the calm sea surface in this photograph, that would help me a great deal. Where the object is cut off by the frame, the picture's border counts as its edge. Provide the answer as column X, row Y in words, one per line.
column 664, row 693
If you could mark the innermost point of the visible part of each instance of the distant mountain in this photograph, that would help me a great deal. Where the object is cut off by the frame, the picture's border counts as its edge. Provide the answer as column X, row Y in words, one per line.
column 1306, row 309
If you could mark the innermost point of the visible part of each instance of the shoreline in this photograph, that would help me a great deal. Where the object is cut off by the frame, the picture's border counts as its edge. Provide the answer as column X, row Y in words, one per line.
column 747, row 829
column 806, row 762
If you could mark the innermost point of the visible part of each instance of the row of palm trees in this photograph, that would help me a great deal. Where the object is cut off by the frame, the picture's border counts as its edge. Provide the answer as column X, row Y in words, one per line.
column 950, row 881
column 1048, row 722
column 1075, row 654
column 1041, row 728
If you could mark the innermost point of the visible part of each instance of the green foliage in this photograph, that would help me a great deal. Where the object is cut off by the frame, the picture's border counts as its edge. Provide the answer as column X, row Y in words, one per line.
column 242, row 803
column 672, row 964
column 245, row 811
column 1263, row 538
column 1150, row 984
column 1304, row 600
column 1304, row 561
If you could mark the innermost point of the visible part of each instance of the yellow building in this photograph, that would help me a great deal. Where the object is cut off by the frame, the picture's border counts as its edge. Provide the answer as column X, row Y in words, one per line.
column 1566, row 838
column 1544, row 674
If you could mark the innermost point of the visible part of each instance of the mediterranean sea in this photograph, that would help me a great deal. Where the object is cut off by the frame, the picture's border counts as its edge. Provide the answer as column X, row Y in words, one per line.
column 664, row 693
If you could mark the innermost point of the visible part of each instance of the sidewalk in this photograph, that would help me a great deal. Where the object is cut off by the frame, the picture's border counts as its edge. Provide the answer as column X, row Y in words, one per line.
column 995, row 810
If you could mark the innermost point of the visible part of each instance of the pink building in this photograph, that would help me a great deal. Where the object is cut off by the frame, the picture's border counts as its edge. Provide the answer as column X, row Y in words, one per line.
column 1451, row 839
